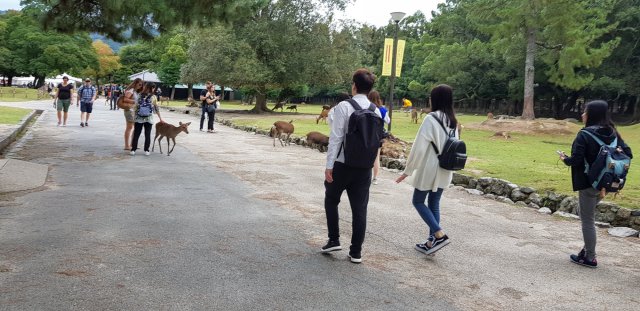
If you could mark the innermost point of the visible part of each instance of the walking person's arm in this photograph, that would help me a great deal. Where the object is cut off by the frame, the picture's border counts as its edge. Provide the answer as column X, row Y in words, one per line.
column 577, row 152
column 95, row 93
column 336, row 137
column 155, row 107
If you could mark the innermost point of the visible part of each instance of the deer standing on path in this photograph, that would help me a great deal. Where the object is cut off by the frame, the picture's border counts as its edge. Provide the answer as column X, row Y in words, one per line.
column 281, row 129
column 167, row 130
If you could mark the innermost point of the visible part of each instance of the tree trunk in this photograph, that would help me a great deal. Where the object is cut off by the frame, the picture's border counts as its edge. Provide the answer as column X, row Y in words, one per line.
column 261, row 101
column 39, row 81
column 173, row 91
column 529, row 73
column 222, row 92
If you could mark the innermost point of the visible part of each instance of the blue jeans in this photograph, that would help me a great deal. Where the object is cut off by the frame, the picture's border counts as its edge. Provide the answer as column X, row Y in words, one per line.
column 430, row 214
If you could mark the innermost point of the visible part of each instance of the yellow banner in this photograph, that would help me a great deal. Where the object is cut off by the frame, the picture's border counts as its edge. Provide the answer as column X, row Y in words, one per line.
column 388, row 57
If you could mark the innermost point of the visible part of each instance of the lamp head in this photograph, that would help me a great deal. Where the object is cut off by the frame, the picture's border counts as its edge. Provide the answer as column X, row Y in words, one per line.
column 397, row 16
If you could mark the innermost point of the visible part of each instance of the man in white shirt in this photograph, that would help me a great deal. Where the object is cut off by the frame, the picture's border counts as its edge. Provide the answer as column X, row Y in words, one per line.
column 340, row 177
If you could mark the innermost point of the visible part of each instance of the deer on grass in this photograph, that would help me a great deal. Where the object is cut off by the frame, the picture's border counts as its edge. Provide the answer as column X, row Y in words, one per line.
column 280, row 129
column 323, row 114
column 293, row 107
column 414, row 116
column 424, row 111
column 167, row 130
column 278, row 106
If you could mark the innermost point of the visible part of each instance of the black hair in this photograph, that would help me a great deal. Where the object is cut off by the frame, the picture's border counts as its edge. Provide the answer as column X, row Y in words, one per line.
column 364, row 80
column 597, row 113
column 442, row 99
column 342, row 97
column 149, row 88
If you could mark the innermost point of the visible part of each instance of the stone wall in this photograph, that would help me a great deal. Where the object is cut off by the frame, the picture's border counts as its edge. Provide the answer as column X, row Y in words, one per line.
column 562, row 204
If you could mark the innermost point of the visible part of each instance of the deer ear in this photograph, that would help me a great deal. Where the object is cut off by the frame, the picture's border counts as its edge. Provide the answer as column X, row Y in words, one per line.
column 180, row 123
column 188, row 123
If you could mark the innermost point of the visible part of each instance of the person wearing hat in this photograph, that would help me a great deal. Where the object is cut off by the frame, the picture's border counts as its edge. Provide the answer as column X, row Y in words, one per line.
column 86, row 95
column 63, row 100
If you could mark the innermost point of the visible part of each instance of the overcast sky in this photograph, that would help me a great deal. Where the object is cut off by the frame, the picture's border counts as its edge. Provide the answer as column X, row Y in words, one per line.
column 374, row 12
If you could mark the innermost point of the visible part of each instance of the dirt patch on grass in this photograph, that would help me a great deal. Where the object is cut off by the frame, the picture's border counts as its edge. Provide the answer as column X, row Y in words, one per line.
column 537, row 126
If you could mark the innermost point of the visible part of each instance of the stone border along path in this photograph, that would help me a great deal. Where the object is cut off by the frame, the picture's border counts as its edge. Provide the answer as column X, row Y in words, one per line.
column 561, row 205
column 13, row 133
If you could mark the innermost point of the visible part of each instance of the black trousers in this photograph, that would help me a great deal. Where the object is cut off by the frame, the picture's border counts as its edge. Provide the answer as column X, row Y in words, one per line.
column 357, row 182
column 112, row 103
column 210, row 116
column 137, row 130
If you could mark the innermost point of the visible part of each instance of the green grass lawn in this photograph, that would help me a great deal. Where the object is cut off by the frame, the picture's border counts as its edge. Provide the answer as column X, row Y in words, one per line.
column 21, row 94
column 525, row 159
column 10, row 115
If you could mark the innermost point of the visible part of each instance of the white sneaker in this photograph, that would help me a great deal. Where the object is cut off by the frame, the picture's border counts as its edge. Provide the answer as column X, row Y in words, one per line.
column 132, row 153
column 375, row 181
column 147, row 153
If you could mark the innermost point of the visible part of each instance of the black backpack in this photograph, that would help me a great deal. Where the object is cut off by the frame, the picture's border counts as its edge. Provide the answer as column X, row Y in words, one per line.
column 363, row 136
column 454, row 154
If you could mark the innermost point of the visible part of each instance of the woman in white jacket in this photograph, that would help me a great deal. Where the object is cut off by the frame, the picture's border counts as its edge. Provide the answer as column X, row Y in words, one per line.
column 426, row 176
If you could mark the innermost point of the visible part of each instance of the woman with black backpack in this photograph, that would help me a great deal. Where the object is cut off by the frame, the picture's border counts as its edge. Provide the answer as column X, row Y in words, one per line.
column 144, row 109
column 427, row 177
column 585, row 149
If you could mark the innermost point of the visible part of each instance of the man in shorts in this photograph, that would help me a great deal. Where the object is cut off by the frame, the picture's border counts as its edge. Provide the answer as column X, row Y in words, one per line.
column 63, row 99
column 86, row 96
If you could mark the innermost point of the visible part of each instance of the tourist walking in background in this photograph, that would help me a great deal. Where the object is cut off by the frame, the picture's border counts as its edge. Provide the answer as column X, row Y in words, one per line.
column 147, row 105
column 374, row 97
column 114, row 94
column 86, row 96
column 407, row 105
column 340, row 176
column 63, row 100
column 584, row 150
column 426, row 175
column 131, row 99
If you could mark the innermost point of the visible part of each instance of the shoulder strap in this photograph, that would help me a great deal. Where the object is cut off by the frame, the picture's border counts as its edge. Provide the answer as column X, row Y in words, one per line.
column 440, row 122
column 354, row 104
column 613, row 144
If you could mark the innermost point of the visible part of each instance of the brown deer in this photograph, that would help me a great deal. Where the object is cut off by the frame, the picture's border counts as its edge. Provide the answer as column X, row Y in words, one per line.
column 317, row 138
column 280, row 129
column 490, row 116
column 414, row 116
column 278, row 106
column 424, row 111
column 167, row 130
column 323, row 114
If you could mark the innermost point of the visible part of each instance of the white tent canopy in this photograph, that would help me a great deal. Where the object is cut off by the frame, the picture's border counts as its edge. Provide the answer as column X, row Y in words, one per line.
column 58, row 79
column 146, row 76
column 150, row 76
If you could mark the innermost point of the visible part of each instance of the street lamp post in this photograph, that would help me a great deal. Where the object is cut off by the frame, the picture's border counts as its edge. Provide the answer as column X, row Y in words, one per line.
column 396, row 17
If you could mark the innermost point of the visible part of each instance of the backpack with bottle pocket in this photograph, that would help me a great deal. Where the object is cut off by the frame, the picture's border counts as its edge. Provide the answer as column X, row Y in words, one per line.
column 609, row 170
